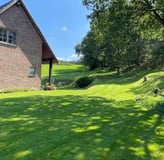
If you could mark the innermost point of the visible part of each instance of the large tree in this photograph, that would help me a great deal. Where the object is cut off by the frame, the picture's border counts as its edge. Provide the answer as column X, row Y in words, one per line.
column 122, row 33
column 153, row 7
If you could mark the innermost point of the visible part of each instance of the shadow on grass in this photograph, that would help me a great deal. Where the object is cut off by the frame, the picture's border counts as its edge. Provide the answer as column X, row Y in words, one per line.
column 123, row 79
column 67, row 75
column 78, row 128
column 149, row 86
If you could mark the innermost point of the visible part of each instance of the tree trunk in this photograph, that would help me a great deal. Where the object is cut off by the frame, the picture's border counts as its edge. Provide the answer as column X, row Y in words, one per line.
column 118, row 70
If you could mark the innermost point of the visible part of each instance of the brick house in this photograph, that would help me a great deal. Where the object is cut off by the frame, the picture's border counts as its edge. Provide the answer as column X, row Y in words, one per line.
column 23, row 48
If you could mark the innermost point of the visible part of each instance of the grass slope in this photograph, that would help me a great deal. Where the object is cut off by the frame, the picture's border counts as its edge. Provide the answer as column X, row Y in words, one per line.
column 101, row 122
column 64, row 73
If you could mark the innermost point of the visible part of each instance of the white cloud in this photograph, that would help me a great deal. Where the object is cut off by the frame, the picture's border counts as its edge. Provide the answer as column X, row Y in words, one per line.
column 74, row 56
column 68, row 59
column 64, row 28
column 60, row 58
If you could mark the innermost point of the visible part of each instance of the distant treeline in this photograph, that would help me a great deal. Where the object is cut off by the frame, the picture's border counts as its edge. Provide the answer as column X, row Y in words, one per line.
column 62, row 62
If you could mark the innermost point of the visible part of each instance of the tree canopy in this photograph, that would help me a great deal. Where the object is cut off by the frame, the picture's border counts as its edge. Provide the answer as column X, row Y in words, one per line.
column 124, row 34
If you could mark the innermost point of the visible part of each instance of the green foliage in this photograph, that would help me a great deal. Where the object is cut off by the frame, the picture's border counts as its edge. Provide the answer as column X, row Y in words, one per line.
column 67, row 73
column 154, row 8
column 158, row 55
column 78, row 49
column 123, row 33
column 83, row 82
column 159, row 108
column 89, row 50
column 156, row 91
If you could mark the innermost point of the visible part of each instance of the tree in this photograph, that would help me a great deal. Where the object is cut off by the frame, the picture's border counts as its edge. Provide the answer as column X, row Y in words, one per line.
column 122, row 33
column 152, row 7
column 158, row 55
column 89, row 50
column 78, row 50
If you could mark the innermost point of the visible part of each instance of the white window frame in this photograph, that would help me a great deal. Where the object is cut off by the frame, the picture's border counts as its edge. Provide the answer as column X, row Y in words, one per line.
column 32, row 72
column 7, row 37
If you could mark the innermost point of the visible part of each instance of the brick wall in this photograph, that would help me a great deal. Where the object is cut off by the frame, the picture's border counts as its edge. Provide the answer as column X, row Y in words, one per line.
column 15, row 62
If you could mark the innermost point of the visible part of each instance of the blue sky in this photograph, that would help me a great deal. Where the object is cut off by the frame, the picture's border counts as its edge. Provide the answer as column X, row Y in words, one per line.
column 62, row 22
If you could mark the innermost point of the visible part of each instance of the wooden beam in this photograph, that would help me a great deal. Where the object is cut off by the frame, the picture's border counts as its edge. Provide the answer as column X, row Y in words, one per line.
column 50, row 71
column 46, row 59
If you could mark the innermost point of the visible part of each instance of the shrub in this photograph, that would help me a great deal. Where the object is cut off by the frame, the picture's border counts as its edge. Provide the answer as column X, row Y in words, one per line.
column 83, row 82
column 156, row 91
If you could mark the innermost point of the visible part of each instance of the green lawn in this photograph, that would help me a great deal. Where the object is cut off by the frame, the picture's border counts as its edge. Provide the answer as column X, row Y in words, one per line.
column 101, row 122
column 66, row 73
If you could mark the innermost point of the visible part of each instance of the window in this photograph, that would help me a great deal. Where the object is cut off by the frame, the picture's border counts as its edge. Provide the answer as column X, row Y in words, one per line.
column 7, row 36
column 32, row 72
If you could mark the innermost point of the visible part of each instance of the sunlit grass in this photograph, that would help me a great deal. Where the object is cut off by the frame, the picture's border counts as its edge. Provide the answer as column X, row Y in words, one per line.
column 64, row 73
column 100, row 122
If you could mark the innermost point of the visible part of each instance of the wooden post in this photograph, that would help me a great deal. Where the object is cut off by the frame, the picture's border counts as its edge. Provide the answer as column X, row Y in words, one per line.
column 50, row 71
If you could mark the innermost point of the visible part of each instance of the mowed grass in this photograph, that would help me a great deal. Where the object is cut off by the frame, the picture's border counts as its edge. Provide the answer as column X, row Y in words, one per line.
column 64, row 73
column 100, row 122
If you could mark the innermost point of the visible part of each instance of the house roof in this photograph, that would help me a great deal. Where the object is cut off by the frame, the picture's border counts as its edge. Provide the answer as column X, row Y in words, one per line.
column 47, row 53
column 5, row 6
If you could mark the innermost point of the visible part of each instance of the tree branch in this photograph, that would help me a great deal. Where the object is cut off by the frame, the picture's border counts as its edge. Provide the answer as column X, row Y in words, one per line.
column 150, row 8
